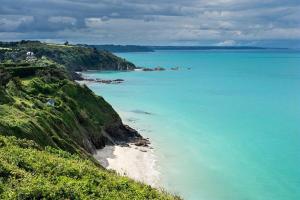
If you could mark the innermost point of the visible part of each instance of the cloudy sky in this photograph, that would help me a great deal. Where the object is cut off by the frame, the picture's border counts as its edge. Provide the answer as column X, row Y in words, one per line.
column 153, row 22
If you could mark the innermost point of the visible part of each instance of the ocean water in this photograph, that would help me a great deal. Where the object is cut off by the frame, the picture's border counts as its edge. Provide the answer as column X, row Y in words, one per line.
column 228, row 129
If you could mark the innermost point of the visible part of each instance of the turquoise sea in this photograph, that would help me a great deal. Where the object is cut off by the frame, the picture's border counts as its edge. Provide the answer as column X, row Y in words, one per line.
column 228, row 129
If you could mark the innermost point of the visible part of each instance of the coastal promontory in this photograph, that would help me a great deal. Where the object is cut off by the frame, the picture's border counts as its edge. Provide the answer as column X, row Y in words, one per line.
column 50, row 126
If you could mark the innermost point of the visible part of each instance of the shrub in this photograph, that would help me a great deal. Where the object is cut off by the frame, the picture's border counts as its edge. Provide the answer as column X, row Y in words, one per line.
column 27, row 172
column 4, row 76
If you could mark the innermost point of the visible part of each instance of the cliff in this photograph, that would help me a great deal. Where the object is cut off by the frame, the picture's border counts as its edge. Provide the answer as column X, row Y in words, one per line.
column 49, row 126
column 73, row 57
column 52, row 110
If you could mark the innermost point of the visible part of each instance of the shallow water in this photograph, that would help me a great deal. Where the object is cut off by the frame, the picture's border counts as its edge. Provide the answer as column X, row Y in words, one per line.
column 229, row 128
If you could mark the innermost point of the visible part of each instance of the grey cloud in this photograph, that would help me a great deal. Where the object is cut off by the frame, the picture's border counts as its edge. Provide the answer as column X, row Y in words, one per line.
column 12, row 22
column 148, row 22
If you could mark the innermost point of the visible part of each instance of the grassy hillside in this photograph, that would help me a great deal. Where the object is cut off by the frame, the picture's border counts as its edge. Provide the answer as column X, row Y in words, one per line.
column 49, row 126
column 28, row 171
column 73, row 57
column 78, row 120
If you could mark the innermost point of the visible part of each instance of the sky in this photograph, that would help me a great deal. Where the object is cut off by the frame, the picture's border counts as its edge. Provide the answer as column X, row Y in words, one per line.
column 273, row 23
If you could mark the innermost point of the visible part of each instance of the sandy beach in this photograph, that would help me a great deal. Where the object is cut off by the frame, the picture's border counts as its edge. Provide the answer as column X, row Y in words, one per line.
column 135, row 162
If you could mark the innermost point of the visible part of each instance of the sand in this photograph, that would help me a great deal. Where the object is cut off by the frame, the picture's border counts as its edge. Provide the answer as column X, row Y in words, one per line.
column 138, row 163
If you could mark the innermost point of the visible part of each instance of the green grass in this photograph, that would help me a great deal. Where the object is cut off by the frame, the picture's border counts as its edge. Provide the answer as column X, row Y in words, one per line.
column 78, row 118
column 28, row 171
column 59, row 45
column 51, row 159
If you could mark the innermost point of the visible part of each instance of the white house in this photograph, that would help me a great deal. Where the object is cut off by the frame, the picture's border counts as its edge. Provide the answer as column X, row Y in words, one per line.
column 51, row 102
column 29, row 53
column 30, row 56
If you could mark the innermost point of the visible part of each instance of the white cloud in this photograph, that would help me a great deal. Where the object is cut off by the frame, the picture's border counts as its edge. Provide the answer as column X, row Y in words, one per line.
column 227, row 43
column 151, row 22
column 63, row 19
column 94, row 22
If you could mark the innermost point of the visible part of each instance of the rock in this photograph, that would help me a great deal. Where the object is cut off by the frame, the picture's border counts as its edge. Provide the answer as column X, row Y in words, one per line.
column 97, row 80
column 77, row 76
column 159, row 69
column 154, row 69
column 132, row 131
column 123, row 144
column 106, row 81
column 148, row 69
column 141, row 142
column 175, row 68
column 141, row 112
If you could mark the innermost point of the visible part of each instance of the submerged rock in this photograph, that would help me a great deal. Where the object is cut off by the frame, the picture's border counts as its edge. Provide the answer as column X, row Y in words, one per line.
column 148, row 69
column 97, row 80
column 159, row 69
column 142, row 142
column 175, row 68
column 141, row 112
column 153, row 69
column 76, row 76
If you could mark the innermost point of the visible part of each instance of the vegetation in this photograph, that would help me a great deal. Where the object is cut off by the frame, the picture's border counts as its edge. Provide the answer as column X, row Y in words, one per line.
column 29, row 171
column 4, row 76
column 25, row 68
column 49, row 128
column 77, row 122
column 74, row 58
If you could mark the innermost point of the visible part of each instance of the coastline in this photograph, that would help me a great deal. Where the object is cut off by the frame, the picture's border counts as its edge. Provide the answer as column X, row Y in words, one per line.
column 215, row 157
column 138, row 163
column 134, row 159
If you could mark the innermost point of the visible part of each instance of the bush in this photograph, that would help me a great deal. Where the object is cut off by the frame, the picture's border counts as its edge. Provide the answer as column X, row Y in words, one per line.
column 28, row 172
column 4, row 76
column 23, row 72
column 50, row 74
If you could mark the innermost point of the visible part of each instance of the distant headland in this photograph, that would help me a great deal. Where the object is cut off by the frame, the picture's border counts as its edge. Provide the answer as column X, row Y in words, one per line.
column 141, row 48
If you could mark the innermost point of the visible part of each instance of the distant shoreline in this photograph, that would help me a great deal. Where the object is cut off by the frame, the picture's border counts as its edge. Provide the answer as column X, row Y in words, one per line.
column 145, row 48
column 134, row 159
